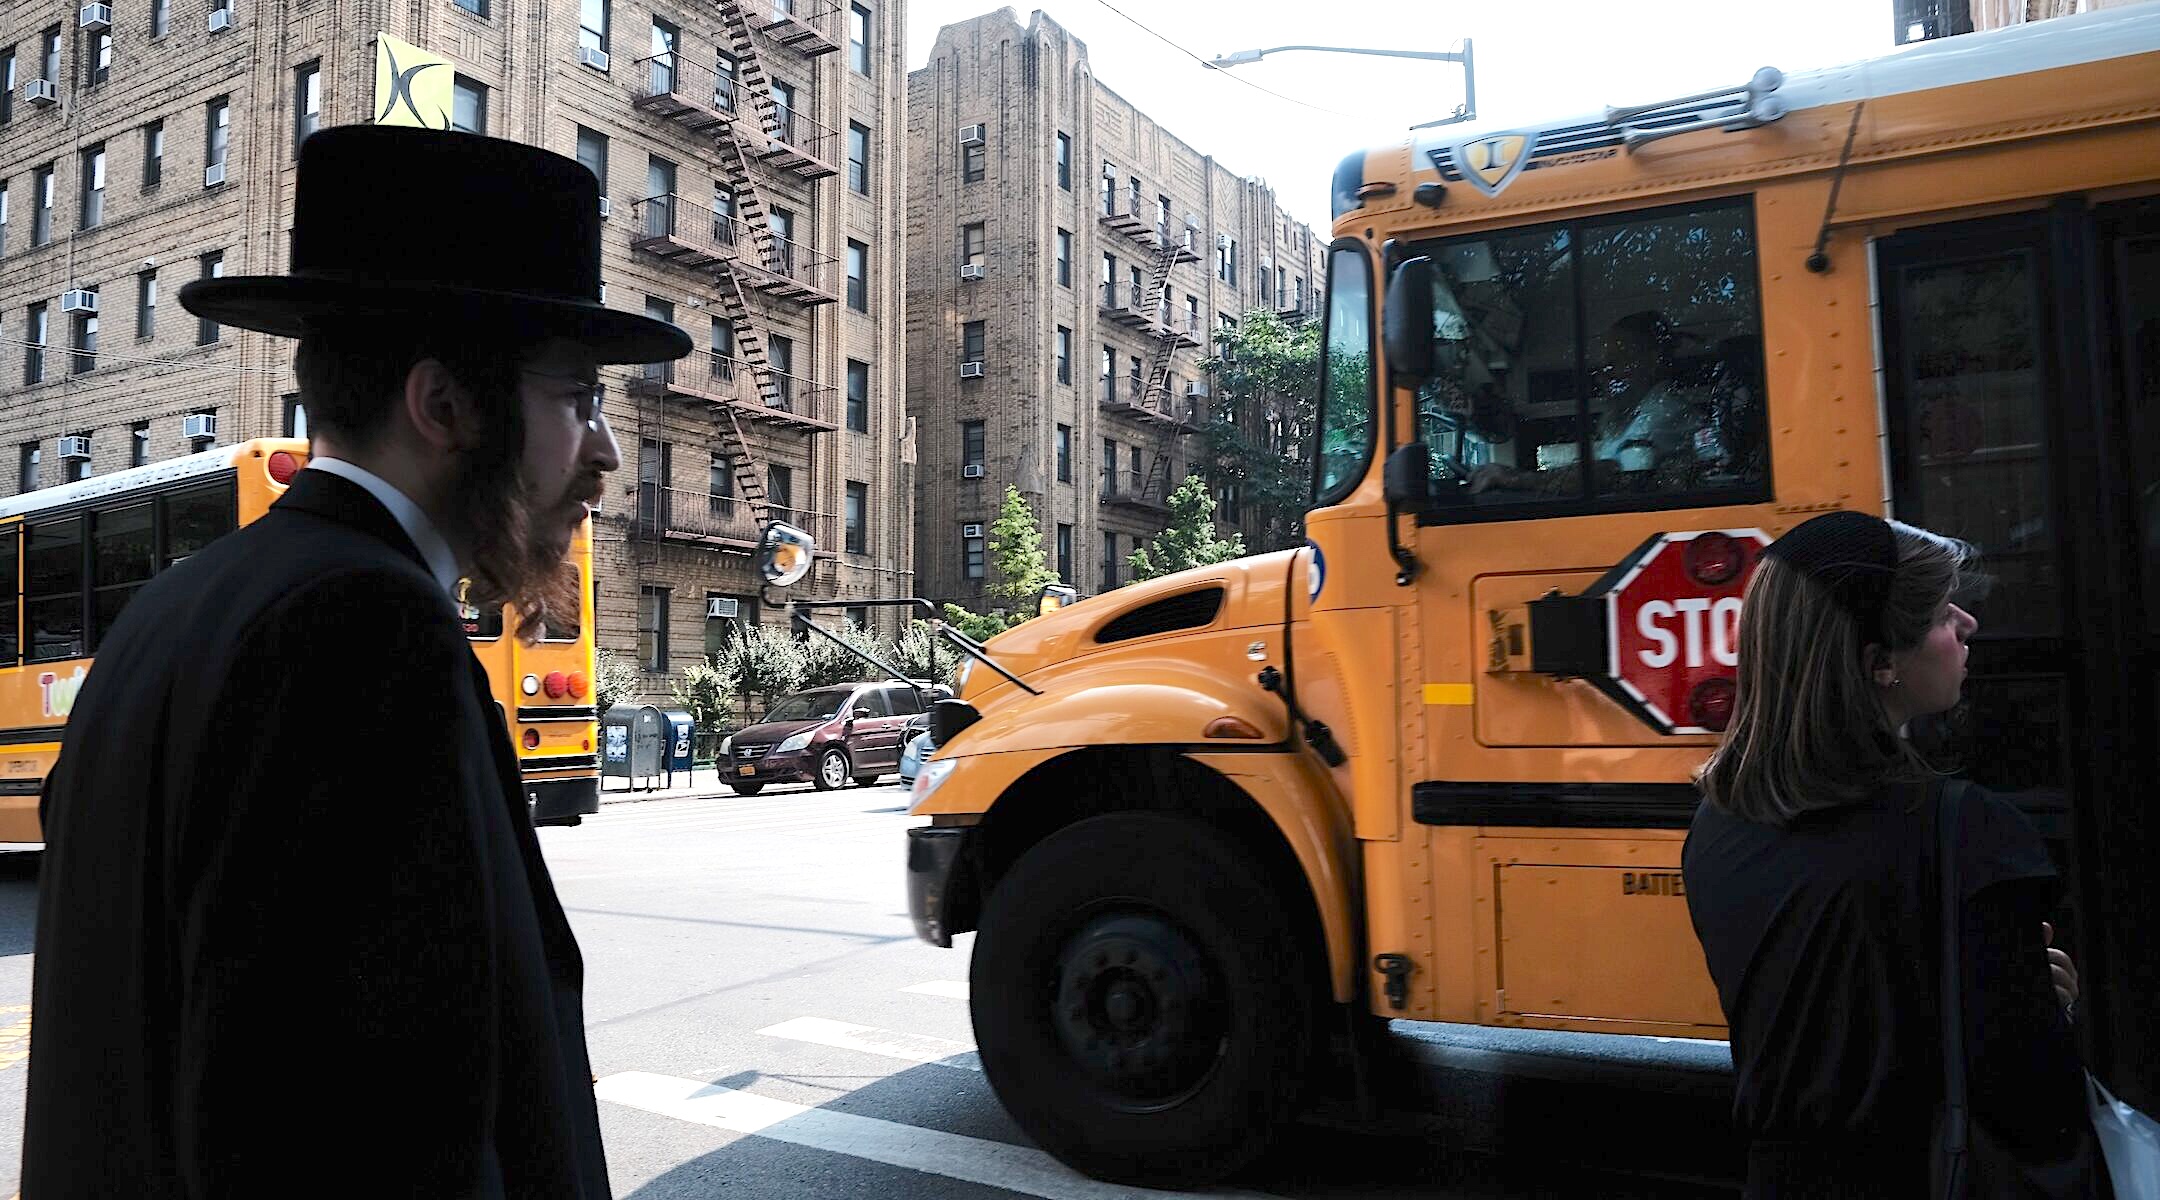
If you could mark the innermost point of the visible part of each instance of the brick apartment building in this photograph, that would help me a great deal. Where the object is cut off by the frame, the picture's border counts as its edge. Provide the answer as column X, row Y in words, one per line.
column 750, row 156
column 1068, row 262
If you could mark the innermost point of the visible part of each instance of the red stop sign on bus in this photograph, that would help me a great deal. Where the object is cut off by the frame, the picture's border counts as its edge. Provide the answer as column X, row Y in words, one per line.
column 1672, row 627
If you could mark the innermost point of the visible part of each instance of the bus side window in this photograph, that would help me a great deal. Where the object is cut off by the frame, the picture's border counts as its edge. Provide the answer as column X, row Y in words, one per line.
column 122, row 559
column 483, row 622
column 10, row 589
column 53, row 597
column 194, row 519
column 567, row 626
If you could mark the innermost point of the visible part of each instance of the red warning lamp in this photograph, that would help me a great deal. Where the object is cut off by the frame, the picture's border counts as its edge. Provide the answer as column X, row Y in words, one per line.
column 1710, row 703
column 1713, row 559
column 532, row 739
column 578, row 685
column 556, row 684
column 283, row 466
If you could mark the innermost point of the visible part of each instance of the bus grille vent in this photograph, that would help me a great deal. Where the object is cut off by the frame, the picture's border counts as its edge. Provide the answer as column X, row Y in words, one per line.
column 1191, row 610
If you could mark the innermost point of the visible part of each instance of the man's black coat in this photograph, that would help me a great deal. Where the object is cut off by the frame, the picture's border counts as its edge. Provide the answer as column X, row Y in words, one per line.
column 295, row 936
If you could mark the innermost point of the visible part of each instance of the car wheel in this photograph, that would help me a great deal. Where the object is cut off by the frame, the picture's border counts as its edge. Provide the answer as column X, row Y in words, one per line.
column 832, row 770
column 1173, row 994
column 746, row 789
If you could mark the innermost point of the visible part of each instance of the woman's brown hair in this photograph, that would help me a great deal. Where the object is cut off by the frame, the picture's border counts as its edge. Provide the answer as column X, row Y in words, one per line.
column 1808, row 728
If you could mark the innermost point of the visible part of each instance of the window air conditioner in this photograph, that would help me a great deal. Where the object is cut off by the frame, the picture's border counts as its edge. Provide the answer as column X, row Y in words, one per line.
column 1222, row 241
column 604, row 208
column 596, row 59
column 213, row 175
column 78, row 301
column 725, row 607
column 41, row 92
column 971, row 531
column 971, row 370
column 97, row 18
column 197, row 426
column 77, row 448
column 972, row 471
column 971, row 135
column 971, row 271
column 220, row 19
column 1196, row 391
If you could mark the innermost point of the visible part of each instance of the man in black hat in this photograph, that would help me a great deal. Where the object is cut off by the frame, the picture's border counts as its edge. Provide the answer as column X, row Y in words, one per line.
column 295, row 934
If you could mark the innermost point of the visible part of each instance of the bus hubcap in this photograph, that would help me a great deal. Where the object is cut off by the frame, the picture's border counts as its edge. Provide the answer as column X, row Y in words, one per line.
column 1135, row 1008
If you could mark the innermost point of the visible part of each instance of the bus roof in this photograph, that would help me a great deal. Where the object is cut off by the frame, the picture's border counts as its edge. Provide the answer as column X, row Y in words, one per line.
column 1942, row 62
column 209, row 462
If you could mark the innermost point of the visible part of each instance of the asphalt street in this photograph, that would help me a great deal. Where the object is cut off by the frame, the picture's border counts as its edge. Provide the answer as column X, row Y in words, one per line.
column 764, row 1023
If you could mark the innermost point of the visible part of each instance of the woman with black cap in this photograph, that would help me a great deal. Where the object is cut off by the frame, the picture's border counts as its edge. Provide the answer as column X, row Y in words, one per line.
column 1812, row 873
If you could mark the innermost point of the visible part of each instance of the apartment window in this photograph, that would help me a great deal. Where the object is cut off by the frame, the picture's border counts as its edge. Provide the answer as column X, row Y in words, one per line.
column 660, row 193
column 3, row 215
column 1222, row 259
column 139, row 444
column 719, row 484
column 1139, row 477
column 146, row 305
column 973, row 160
column 783, row 95
column 972, row 245
column 1064, row 161
column 35, row 329
column 971, row 557
column 307, row 99
column 93, row 186
column 213, row 267
column 49, row 57
column 858, row 276
column 858, row 500
column 26, row 470
column 76, row 469
column 858, row 39
column 1192, row 313
column 41, row 205
column 296, row 425
column 971, row 342
column 1109, row 562
column 1282, row 287
column 7, row 77
column 780, row 489
column 1064, row 454
column 593, row 25
column 1135, row 377
column 468, row 105
column 723, row 349
column 153, row 154
column 1109, row 373
column 780, row 353
column 652, row 623
column 592, row 154
column 666, row 45
column 1109, row 467
column 1064, row 355
column 1064, row 554
column 84, row 340
column 724, row 70
column 1297, row 292
column 971, row 443
column 217, row 136
column 99, row 67
column 858, row 158
column 160, row 17
column 858, row 617
column 478, row 8
column 722, row 632
column 1064, row 258
column 858, row 396
column 1109, row 188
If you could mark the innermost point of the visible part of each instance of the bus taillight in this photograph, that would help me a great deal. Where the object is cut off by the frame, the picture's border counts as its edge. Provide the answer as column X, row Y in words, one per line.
column 555, row 684
column 532, row 739
column 578, row 684
column 283, row 466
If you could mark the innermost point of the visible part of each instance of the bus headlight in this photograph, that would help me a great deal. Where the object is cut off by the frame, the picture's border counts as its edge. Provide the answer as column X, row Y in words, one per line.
column 784, row 554
column 933, row 774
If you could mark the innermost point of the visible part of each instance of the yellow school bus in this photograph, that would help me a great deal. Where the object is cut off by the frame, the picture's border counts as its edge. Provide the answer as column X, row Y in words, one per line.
column 72, row 556
column 1435, row 766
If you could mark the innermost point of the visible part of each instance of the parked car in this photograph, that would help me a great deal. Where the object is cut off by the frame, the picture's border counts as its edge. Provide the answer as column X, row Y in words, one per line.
column 916, row 744
column 826, row 735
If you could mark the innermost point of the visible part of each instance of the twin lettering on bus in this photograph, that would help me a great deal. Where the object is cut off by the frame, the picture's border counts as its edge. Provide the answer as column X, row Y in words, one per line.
column 57, row 693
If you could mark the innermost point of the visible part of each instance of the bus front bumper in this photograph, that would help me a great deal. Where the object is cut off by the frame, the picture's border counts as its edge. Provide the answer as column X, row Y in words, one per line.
column 933, row 862
column 562, row 801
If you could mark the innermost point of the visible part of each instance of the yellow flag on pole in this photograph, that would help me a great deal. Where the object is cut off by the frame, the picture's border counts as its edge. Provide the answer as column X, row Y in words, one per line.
column 412, row 86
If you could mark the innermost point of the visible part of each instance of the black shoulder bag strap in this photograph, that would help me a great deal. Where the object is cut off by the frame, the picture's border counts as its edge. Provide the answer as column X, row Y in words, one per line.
column 1954, row 1133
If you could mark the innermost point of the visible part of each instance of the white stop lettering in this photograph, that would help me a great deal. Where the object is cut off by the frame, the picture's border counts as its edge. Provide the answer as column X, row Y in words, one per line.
column 1666, row 646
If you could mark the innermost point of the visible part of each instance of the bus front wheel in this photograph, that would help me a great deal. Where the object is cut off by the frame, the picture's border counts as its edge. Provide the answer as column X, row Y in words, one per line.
column 1143, row 1004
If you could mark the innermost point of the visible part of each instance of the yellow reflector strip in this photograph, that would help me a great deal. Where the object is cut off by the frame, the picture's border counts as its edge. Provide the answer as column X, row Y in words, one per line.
column 1447, row 693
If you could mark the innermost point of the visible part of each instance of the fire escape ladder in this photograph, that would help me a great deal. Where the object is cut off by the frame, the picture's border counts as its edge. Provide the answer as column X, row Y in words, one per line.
column 1158, row 293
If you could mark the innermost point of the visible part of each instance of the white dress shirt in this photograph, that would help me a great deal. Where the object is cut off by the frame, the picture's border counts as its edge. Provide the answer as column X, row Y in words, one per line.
column 425, row 537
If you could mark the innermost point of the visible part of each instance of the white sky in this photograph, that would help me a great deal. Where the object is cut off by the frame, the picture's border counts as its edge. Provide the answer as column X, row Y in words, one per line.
column 1536, row 59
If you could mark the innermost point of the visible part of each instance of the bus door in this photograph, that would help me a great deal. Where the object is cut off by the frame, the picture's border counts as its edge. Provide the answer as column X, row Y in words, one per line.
column 2020, row 388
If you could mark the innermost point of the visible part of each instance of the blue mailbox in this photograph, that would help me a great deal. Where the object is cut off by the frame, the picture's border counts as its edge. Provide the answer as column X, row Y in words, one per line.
column 682, row 734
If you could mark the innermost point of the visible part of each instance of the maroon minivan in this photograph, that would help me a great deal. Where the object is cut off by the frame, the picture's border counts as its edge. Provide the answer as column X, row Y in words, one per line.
column 826, row 735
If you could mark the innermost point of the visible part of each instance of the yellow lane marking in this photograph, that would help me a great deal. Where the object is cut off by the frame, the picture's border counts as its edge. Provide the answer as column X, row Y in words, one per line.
column 1447, row 693
column 15, row 1036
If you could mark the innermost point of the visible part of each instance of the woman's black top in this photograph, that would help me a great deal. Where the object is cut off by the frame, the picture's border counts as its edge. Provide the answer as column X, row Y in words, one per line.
column 1823, row 938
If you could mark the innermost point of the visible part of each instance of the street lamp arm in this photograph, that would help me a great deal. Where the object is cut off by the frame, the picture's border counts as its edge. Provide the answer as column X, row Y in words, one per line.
column 1241, row 57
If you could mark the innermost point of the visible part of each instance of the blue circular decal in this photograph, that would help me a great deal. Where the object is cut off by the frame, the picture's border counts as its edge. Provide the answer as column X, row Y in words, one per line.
column 1315, row 571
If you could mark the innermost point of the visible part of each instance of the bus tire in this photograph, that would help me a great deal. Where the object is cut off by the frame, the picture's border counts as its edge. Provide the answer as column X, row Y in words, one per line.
column 1143, row 1004
column 746, row 789
column 832, row 770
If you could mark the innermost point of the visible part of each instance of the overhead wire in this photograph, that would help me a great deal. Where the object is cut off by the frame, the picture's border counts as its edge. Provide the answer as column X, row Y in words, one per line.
column 1210, row 66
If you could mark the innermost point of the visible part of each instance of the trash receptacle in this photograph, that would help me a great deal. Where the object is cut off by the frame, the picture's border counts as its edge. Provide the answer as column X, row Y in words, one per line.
column 682, row 734
column 633, row 744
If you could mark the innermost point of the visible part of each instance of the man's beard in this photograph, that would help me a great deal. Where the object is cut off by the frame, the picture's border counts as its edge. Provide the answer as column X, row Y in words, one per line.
column 515, row 542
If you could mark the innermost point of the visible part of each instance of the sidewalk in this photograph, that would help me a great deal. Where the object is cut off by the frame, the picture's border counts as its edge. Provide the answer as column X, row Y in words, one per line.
column 703, row 783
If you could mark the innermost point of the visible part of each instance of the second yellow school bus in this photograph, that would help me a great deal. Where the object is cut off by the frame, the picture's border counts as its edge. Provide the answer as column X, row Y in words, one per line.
column 72, row 556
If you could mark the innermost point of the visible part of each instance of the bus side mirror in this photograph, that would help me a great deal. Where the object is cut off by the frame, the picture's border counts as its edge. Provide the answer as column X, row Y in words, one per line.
column 1406, row 322
column 1406, row 478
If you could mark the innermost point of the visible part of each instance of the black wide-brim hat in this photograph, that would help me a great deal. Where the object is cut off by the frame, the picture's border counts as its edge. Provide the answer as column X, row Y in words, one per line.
column 393, row 224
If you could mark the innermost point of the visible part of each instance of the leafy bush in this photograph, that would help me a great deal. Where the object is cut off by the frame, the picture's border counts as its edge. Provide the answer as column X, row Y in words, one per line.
column 615, row 679
column 764, row 664
column 922, row 654
column 825, row 664
column 708, row 694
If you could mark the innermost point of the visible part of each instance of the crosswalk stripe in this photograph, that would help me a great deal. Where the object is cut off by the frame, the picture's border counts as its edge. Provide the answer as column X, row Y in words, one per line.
column 934, row 1152
column 913, row 1047
column 951, row 989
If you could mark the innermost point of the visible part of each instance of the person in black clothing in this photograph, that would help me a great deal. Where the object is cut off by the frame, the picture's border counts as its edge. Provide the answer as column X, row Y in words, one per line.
column 1810, row 879
column 295, row 934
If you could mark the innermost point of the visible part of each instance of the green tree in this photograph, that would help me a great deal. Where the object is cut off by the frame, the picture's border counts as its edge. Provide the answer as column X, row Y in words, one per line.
column 1190, row 539
column 615, row 679
column 825, row 663
column 708, row 695
column 1260, row 426
column 764, row 664
column 1016, row 552
column 922, row 654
